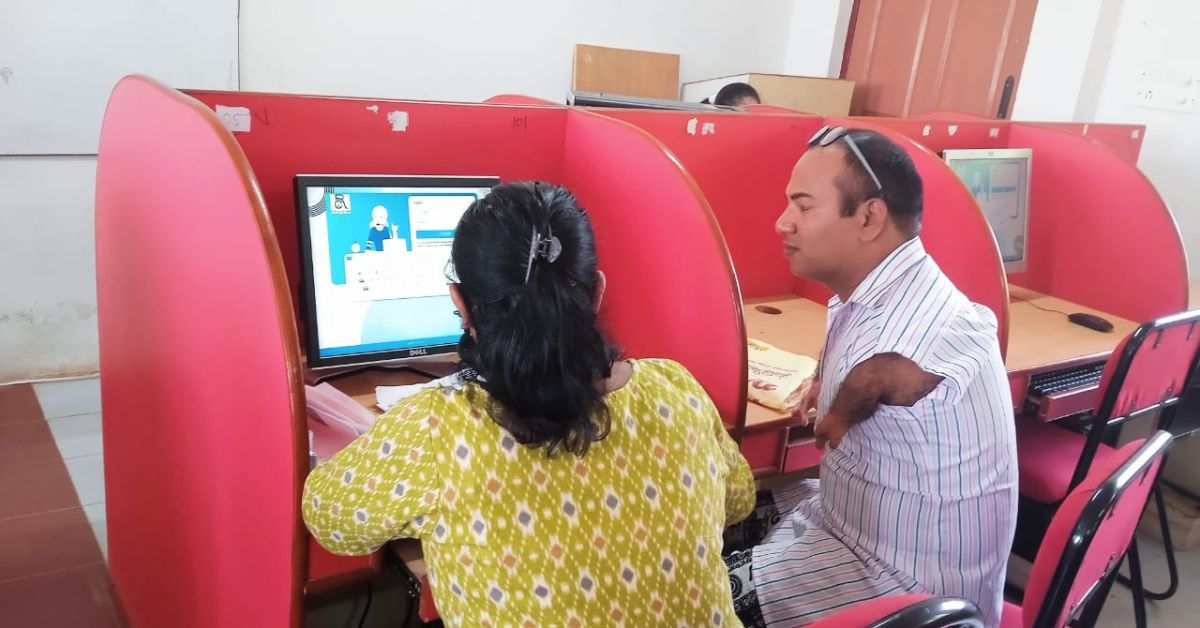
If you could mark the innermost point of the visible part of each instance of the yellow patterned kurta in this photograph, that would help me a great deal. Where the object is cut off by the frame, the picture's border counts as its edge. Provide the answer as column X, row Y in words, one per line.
column 629, row 534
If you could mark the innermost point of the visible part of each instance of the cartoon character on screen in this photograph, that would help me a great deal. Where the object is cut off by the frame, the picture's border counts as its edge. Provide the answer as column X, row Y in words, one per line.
column 379, row 229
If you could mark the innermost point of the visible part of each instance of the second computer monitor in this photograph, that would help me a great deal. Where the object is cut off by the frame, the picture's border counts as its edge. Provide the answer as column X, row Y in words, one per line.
column 999, row 181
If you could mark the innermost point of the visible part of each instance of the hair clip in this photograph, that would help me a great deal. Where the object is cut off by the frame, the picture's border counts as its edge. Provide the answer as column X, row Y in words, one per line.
column 548, row 248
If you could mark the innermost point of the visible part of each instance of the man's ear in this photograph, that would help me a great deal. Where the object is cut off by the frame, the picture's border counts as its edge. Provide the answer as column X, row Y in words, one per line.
column 872, row 219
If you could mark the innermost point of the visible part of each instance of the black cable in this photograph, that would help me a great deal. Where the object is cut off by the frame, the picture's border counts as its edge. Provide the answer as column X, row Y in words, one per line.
column 1044, row 309
column 367, row 609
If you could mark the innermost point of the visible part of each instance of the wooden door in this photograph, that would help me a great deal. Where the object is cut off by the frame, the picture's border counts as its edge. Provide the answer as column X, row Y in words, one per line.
column 910, row 57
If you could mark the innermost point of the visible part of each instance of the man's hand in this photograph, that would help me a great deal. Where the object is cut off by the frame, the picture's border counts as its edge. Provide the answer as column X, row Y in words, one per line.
column 806, row 412
column 830, row 430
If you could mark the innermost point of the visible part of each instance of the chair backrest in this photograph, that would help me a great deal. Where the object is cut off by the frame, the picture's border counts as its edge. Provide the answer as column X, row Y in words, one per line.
column 1090, row 532
column 915, row 610
column 1147, row 372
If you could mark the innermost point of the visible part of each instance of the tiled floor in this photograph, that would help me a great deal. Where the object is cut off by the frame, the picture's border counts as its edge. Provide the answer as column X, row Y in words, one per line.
column 52, row 571
column 53, row 525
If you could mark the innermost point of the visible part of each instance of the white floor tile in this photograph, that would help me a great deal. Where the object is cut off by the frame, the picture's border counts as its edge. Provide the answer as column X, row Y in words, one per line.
column 78, row 435
column 96, row 513
column 68, row 397
column 87, row 474
column 1180, row 610
column 101, row 532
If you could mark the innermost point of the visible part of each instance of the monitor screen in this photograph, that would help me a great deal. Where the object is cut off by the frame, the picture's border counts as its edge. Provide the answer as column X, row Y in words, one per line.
column 999, row 181
column 374, row 251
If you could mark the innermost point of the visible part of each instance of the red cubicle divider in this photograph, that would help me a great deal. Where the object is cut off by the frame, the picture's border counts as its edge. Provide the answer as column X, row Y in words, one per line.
column 1124, row 139
column 350, row 135
column 200, row 367
column 1099, row 233
column 518, row 99
column 742, row 163
column 670, row 279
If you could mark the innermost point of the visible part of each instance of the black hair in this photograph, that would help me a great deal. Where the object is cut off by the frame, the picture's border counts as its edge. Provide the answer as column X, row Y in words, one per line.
column 538, row 353
column 902, row 189
column 733, row 93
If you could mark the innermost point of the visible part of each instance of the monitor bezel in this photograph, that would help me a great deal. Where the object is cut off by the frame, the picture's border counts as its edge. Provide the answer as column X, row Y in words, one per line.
column 962, row 154
column 301, row 183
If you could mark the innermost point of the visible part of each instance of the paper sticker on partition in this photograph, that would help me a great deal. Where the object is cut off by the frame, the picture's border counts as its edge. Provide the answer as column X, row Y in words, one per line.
column 236, row 119
column 925, row 131
column 952, row 129
column 373, row 108
column 994, row 132
column 709, row 128
column 691, row 126
column 399, row 120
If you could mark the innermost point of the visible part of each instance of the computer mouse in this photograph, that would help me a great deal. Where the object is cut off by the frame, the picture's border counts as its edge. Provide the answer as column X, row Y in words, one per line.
column 1091, row 321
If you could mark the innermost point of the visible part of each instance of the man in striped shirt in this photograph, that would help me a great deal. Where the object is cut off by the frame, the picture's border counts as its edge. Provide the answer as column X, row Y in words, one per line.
column 918, row 488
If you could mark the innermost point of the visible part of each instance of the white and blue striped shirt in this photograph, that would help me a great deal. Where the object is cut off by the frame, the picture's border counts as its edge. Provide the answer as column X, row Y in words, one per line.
column 929, row 490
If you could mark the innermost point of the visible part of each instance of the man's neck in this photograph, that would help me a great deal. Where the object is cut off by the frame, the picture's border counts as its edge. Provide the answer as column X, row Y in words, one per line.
column 869, row 263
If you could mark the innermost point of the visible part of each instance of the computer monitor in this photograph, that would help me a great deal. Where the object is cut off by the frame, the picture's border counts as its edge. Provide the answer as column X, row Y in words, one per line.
column 374, row 252
column 618, row 101
column 999, row 181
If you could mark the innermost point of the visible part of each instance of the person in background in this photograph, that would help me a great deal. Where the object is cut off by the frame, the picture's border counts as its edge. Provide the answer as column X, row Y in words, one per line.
column 550, row 482
column 737, row 95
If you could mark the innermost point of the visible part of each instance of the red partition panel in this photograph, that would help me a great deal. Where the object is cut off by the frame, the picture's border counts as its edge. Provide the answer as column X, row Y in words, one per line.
column 199, row 364
column 1099, row 233
column 955, row 232
column 742, row 163
column 944, row 131
column 518, row 99
column 671, row 288
column 1123, row 139
column 292, row 135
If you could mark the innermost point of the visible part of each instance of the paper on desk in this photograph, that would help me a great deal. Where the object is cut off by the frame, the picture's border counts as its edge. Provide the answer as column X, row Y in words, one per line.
column 334, row 419
column 777, row 376
column 388, row 396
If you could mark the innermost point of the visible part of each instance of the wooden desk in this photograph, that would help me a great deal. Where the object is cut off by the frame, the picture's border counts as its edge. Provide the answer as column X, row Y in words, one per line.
column 1039, row 340
column 775, row 442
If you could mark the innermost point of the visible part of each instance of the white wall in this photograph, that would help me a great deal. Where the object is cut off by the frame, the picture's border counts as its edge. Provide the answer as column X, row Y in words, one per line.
column 1060, row 47
column 47, row 267
column 817, row 37
column 469, row 50
column 462, row 50
column 1156, row 49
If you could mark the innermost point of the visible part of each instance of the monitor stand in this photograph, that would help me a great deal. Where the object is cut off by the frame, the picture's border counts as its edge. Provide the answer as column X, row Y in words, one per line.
column 432, row 367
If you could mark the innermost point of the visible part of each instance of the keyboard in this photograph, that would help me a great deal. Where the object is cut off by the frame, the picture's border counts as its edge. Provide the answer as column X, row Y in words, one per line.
column 1054, row 382
column 1066, row 392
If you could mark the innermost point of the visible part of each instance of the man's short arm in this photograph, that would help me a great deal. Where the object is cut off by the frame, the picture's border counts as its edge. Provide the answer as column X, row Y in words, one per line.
column 886, row 378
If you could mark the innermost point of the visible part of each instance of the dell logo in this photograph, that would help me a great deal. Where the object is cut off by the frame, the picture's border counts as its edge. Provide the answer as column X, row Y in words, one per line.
column 413, row 352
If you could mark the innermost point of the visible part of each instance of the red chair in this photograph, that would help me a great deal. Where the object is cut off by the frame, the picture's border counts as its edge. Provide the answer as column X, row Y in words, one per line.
column 1088, row 538
column 916, row 610
column 1147, row 373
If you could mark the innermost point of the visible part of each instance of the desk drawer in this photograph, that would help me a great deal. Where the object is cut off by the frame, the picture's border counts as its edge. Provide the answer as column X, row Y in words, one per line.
column 802, row 452
column 765, row 451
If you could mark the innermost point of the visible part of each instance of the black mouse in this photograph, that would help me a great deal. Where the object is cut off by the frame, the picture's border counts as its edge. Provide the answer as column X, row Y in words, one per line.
column 1091, row 321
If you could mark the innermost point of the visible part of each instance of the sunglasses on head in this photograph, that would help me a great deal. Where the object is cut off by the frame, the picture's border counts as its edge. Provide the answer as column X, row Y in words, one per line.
column 830, row 134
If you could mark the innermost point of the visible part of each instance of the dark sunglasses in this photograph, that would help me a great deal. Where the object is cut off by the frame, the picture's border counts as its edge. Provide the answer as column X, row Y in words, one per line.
column 830, row 134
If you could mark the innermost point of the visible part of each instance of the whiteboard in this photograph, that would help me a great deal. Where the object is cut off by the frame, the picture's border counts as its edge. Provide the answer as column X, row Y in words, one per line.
column 60, row 59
